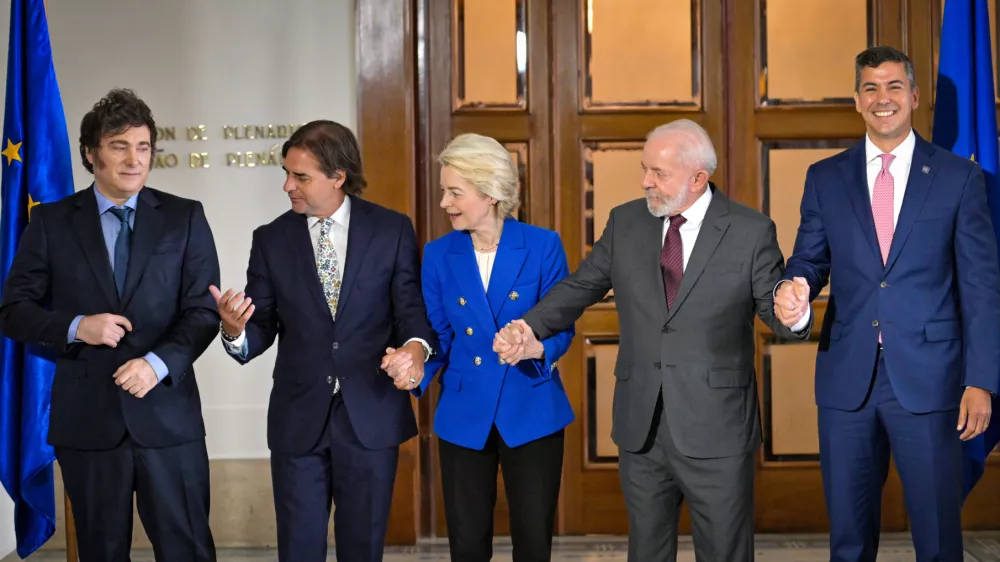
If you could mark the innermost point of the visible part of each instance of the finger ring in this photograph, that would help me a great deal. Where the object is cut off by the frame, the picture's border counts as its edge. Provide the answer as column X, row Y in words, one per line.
column 413, row 381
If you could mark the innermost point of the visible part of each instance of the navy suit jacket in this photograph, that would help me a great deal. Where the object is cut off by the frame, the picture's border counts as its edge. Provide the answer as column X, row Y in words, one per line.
column 936, row 301
column 62, row 269
column 526, row 401
column 379, row 306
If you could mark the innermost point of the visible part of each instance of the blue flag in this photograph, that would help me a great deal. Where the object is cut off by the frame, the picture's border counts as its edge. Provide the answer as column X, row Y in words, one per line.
column 37, row 168
column 965, row 122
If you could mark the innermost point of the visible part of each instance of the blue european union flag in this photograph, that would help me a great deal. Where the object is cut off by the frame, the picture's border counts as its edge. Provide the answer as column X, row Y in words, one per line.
column 965, row 122
column 37, row 168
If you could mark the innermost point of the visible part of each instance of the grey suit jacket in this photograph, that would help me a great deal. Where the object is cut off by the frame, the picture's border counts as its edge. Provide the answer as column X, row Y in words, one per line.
column 700, row 353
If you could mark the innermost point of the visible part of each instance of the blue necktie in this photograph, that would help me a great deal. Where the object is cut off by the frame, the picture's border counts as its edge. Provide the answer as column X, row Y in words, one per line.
column 123, row 245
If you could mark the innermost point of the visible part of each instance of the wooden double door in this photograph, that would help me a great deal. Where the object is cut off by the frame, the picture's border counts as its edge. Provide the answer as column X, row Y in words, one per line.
column 571, row 88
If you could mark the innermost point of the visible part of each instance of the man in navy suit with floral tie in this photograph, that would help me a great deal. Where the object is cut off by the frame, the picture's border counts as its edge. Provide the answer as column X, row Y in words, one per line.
column 337, row 280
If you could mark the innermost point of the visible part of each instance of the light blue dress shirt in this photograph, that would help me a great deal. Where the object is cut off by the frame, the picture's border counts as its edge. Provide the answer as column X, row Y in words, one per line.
column 110, row 225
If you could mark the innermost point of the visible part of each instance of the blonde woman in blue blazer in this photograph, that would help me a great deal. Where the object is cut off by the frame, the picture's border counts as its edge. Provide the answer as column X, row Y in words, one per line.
column 489, row 271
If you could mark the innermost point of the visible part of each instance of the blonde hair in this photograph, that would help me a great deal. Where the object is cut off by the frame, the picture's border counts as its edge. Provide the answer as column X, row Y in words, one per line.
column 486, row 164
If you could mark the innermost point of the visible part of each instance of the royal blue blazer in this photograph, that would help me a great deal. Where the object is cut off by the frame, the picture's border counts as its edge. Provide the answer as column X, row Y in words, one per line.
column 526, row 401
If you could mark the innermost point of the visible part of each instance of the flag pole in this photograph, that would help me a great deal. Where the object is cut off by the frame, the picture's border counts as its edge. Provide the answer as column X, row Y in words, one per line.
column 71, row 548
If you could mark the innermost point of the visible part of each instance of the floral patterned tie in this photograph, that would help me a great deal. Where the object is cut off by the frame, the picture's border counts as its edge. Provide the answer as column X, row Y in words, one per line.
column 328, row 267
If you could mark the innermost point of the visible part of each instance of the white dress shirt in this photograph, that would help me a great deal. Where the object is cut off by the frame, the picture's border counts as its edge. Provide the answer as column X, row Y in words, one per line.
column 337, row 236
column 695, row 215
column 900, row 171
column 899, row 168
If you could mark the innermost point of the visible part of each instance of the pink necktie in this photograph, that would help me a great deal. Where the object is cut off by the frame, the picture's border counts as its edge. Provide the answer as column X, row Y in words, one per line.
column 882, row 206
column 882, row 209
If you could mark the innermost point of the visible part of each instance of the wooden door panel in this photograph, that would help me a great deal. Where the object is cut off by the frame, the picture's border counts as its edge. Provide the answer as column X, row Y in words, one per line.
column 485, row 70
column 620, row 75
column 772, row 83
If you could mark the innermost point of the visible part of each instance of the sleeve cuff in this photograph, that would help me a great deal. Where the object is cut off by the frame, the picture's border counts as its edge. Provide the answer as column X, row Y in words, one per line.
column 73, row 327
column 774, row 291
column 423, row 344
column 159, row 367
column 238, row 347
column 803, row 323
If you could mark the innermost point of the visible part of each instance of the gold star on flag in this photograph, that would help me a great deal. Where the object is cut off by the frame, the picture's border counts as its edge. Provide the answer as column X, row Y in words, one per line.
column 12, row 152
column 31, row 203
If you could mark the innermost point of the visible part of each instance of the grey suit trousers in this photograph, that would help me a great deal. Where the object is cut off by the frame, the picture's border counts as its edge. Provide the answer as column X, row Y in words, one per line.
column 719, row 493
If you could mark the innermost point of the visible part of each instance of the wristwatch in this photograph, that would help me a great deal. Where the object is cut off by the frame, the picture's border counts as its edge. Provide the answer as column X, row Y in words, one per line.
column 226, row 336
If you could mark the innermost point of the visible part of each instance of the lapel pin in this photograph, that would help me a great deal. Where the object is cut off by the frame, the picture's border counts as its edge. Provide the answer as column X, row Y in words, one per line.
column 925, row 169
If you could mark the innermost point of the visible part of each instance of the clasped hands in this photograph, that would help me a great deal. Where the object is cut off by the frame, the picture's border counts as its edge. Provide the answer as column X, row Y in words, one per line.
column 517, row 341
column 791, row 302
column 405, row 365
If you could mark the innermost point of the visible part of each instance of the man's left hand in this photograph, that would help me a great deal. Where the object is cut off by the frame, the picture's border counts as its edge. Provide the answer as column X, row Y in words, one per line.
column 974, row 413
column 405, row 365
column 137, row 377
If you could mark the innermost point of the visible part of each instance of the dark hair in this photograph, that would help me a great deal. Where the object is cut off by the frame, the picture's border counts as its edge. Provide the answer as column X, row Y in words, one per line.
column 873, row 57
column 112, row 115
column 335, row 147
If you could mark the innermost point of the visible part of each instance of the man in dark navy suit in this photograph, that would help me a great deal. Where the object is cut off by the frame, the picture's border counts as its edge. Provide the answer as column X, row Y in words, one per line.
column 908, row 357
column 336, row 280
column 115, row 280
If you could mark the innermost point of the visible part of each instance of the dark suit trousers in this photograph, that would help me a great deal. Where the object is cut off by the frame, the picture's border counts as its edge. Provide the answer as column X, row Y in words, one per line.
column 339, row 469
column 171, row 487
column 854, row 457
column 531, row 474
column 719, row 493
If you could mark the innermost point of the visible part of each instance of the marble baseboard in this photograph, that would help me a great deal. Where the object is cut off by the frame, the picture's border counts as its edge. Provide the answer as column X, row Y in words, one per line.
column 894, row 547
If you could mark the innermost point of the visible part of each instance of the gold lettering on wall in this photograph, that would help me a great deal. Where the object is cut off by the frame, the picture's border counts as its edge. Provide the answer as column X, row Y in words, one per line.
column 251, row 159
column 199, row 132
column 198, row 160
column 251, row 132
column 166, row 161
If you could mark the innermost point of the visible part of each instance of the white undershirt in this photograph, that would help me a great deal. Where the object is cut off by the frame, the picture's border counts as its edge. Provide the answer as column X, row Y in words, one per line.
column 485, row 262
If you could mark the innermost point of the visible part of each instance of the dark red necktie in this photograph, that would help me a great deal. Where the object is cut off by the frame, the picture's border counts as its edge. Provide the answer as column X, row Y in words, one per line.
column 672, row 259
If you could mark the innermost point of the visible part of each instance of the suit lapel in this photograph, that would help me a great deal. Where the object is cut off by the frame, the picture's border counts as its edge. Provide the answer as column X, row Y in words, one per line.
column 510, row 257
column 712, row 230
column 359, row 238
column 855, row 169
column 146, row 233
column 300, row 249
column 87, row 225
column 917, row 187
column 462, row 264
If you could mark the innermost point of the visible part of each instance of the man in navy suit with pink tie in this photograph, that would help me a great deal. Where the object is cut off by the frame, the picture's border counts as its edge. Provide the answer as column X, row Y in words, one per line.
column 909, row 353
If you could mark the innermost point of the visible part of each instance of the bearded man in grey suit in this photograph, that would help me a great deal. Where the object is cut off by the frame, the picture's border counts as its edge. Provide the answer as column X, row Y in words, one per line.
column 690, row 268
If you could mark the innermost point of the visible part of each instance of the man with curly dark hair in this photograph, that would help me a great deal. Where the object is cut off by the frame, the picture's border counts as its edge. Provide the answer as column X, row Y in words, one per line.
column 114, row 279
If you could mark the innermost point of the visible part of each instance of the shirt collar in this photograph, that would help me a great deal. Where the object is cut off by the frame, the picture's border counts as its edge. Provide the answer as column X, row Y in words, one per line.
column 103, row 203
column 342, row 216
column 904, row 150
column 695, row 214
